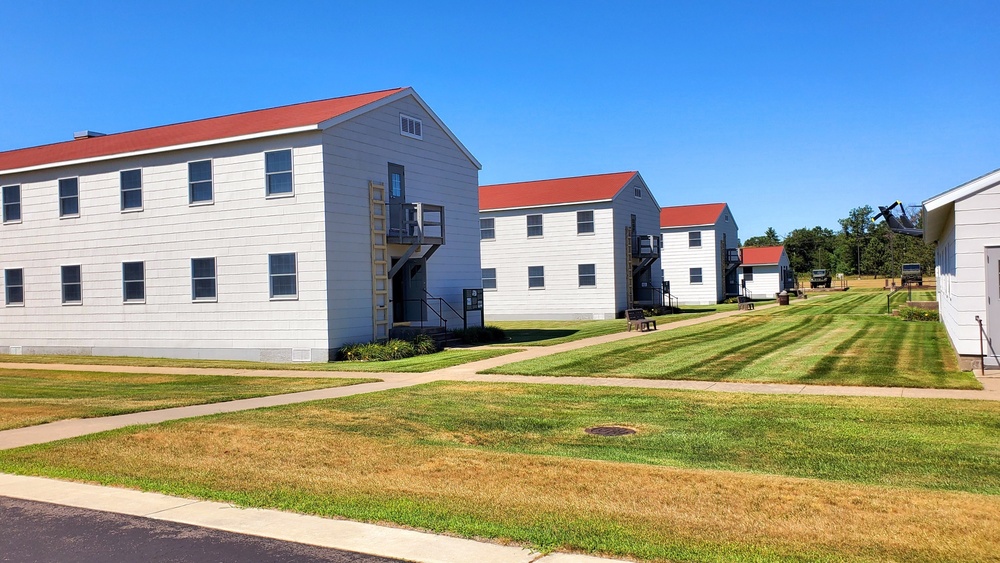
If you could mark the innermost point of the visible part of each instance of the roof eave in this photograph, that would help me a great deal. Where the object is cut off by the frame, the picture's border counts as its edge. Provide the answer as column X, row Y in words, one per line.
column 170, row 148
column 560, row 204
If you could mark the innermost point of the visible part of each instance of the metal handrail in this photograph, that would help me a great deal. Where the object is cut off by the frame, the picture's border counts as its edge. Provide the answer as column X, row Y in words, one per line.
column 445, row 301
column 444, row 321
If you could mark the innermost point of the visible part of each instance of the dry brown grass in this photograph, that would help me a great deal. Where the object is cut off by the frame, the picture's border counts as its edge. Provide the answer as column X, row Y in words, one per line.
column 707, row 513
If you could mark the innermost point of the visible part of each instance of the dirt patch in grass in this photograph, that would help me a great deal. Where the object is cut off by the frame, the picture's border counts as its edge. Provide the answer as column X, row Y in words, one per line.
column 479, row 461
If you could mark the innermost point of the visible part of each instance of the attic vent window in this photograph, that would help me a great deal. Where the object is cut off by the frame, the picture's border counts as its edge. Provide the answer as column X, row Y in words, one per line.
column 638, row 193
column 411, row 127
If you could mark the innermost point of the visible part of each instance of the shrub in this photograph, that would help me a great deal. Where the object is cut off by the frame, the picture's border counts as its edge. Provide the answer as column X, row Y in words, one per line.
column 424, row 344
column 918, row 314
column 480, row 334
column 392, row 349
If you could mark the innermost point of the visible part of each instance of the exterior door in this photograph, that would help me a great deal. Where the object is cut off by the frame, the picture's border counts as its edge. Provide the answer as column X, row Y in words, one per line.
column 409, row 286
column 397, row 196
column 992, row 336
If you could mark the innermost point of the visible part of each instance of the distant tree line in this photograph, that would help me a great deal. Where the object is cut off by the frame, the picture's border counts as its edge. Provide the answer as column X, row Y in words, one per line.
column 860, row 247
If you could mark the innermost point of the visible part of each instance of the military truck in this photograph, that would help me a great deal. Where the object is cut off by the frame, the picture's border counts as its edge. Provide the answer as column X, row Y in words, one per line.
column 913, row 274
column 819, row 279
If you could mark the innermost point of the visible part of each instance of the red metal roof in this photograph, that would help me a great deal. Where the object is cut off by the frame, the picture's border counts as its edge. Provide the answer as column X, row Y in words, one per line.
column 238, row 124
column 600, row 187
column 691, row 215
column 761, row 255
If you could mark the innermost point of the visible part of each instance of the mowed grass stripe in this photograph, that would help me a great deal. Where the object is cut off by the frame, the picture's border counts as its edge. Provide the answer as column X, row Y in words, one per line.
column 29, row 397
column 826, row 342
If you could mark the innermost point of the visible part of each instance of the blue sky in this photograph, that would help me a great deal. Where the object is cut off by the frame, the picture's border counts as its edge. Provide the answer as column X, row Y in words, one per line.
column 792, row 112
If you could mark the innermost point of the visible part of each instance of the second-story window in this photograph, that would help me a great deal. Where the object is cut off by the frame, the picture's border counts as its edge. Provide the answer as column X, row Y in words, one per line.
column 200, row 181
column 694, row 239
column 486, row 229
column 278, row 169
column 69, row 197
column 11, row 204
column 131, row 182
column 534, row 225
column 584, row 222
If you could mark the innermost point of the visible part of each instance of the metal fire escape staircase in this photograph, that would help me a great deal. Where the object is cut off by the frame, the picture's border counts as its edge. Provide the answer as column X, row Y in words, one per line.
column 641, row 252
column 416, row 225
column 730, row 258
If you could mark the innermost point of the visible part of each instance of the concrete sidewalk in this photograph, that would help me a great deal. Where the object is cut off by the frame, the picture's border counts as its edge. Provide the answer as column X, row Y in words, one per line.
column 359, row 537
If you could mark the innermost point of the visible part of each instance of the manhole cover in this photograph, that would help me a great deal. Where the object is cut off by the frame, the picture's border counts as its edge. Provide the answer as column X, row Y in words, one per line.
column 609, row 431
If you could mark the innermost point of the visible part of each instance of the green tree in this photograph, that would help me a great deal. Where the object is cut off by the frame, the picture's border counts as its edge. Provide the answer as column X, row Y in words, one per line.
column 810, row 248
column 854, row 232
column 769, row 238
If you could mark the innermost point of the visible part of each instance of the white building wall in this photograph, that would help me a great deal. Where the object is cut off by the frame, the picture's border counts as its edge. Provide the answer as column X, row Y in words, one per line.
column 961, row 267
column 560, row 250
column 767, row 280
column 678, row 259
column 647, row 213
column 239, row 229
column 436, row 171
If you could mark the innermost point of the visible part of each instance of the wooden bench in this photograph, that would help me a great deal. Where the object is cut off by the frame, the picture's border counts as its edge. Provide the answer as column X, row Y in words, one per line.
column 638, row 320
column 744, row 303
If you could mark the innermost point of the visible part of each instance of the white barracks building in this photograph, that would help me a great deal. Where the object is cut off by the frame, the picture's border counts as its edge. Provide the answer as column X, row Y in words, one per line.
column 569, row 248
column 280, row 234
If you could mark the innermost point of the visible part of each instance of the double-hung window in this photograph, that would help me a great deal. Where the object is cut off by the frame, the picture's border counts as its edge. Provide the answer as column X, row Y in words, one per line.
column 694, row 239
column 12, row 204
column 200, row 182
column 584, row 222
column 133, row 282
column 695, row 275
column 587, row 274
column 282, row 270
column 748, row 273
column 278, row 170
column 13, row 281
column 69, row 197
column 72, row 285
column 203, row 279
column 486, row 229
column 536, row 277
column 534, row 225
column 489, row 278
column 131, row 183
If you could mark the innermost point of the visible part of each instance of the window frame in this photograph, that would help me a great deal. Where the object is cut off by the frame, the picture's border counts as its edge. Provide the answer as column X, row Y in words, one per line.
column 7, row 286
column 637, row 192
column 700, row 275
column 536, row 276
column 692, row 235
column 6, row 204
column 580, row 223
column 63, row 284
column 291, row 175
column 210, row 181
column 418, row 126
column 484, row 277
column 271, row 275
column 581, row 275
column 63, row 198
column 748, row 273
column 122, row 191
column 195, row 298
column 540, row 226
column 125, row 283
column 492, row 228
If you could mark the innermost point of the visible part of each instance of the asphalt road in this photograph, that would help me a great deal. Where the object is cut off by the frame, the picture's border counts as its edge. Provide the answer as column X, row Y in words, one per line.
column 39, row 532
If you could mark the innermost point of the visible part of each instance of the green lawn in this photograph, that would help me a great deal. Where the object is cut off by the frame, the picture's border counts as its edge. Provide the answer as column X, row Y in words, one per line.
column 29, row 397
column 839, row 339
column 707, row 476
column 429, row 362
column 548, row 333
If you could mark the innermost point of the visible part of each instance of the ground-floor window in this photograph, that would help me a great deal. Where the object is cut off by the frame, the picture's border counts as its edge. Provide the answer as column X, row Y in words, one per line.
column 283, row 274
column 695, row 275
column 587, row 274
column 536, row 277
column 489, row 278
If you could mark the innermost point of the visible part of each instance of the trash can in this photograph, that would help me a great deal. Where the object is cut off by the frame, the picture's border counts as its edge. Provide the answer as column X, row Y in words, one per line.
column 783, row 298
